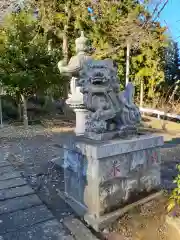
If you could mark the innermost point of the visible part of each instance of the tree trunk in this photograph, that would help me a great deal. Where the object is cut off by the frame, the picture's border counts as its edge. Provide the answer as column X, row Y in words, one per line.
column 65, row 41
column 65, row 44
column 19, row 111
column 171, row 98
column 25, row 116
column 127, row 63
column 49, row 47
column 141, row 92
column 65, row 56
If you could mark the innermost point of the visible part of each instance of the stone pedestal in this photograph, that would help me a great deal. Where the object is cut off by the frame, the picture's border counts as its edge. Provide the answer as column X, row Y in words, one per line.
column 103, row 176
column 76, row 103
column 80, row 121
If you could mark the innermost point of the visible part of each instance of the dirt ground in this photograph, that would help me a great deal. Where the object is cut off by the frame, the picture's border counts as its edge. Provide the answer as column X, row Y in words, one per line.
column 156, row 123
column 146, row 222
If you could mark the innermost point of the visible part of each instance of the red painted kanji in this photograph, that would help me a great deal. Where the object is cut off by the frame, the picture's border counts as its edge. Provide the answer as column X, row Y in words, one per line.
column 153, row 157
column 115, row 169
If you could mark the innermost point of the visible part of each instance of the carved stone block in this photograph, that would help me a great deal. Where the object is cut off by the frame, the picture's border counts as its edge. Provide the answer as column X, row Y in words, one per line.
column 101, row 177
column 114, row 167
column 151, row 179
column 111, row 193
column 131, row 187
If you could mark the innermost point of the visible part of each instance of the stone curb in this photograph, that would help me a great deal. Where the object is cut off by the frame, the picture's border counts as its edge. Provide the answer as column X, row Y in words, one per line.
column 78, row 229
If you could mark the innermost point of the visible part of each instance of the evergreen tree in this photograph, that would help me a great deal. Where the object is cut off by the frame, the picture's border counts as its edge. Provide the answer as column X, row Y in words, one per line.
column 172, row 63
column 110, row 26
column 147, row 65
column 26, row 67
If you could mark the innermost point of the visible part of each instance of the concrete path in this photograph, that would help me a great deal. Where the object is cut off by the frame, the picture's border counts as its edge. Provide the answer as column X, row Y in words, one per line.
column 23, row 216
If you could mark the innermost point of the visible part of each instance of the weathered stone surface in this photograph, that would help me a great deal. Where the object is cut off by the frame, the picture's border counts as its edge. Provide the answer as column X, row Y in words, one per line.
column 111, row 193
column 138, row 160
column 101, row 136
column 129, row 174
column 78, row 182
column 98, row 150
column 4, row 164
column 9, row 175
column 151, row 179
column 114, row 167
column 124, row 165
column 116, row 192
column 24, row 218
column 49, row 230
column 15, row 182
column 115, row 171
column 19, row 203
column 15, row 192
column 153, row 157
column 75, row 172
column 6, row 169
column 125, row 146
column 130, row 186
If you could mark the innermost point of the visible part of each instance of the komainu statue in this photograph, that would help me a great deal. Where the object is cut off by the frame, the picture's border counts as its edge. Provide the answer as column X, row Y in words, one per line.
column 109, row 109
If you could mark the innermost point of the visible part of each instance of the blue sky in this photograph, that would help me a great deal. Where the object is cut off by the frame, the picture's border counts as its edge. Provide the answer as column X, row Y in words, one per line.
column 170, row 16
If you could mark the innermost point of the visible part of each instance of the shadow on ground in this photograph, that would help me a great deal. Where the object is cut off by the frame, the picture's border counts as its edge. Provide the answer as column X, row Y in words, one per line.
column 168, row 173
column 172, row 143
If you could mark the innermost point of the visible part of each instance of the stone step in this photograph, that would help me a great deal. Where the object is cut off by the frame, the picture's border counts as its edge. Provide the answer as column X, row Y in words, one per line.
column 24, row 218
column 15, row 192
column 19, row 203
column 9, row 175
column 44, row 231
column 79, row 230
column 15, row 182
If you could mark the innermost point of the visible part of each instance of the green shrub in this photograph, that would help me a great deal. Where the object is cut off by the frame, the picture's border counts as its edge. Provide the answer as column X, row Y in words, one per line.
column 174, row 199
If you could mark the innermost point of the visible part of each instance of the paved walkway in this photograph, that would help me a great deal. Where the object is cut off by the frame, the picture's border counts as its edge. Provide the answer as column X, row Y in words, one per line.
column 22, row 214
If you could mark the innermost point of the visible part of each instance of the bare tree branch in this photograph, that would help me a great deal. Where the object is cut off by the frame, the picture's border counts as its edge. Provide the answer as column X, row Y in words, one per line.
column 159, row 12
